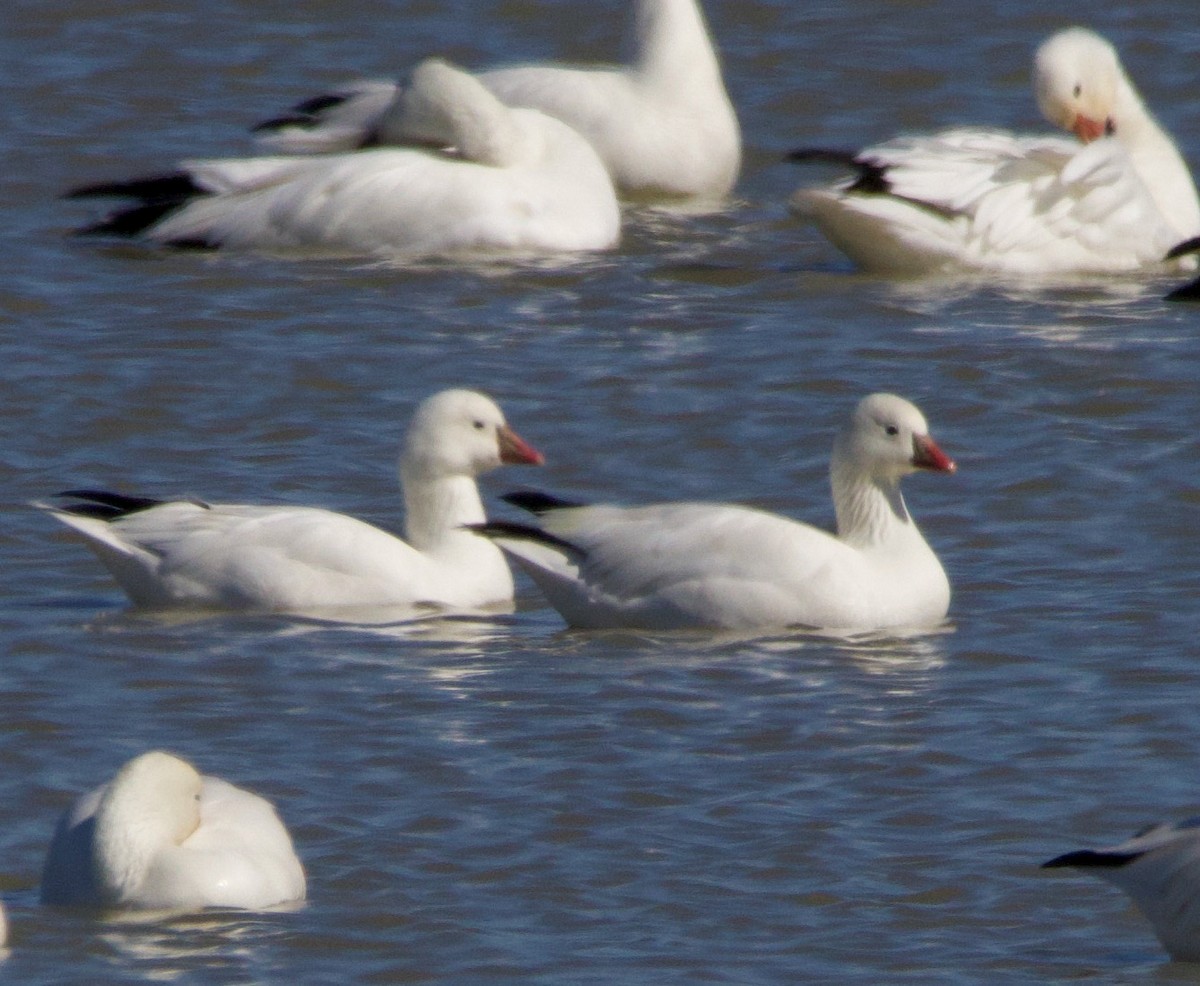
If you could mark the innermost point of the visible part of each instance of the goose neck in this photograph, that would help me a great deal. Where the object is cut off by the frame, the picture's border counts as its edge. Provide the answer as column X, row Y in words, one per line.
column 869, row 511
column 436, row 507
column 1158, row 162
column 673, row 41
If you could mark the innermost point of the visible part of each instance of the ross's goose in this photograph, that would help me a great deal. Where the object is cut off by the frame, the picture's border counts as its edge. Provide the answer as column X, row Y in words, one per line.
column 972, row 199
column 494, row 179
column 680, row 565
column 160, row 836
column 1160, row 869
column 189, row 553
column 663, row 124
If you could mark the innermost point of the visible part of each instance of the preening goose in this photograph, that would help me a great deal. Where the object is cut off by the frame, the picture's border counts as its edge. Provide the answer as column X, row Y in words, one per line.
column 1160, row 869
column 512, row 181
column 664, row 124
column 973, row 199
column 160, row 836
column 299, row 559
column 707, row 565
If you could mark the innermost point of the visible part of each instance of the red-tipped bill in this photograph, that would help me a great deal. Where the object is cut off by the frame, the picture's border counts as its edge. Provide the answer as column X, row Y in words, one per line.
column 927, row 455
column 1087, row 129
column 515, row 451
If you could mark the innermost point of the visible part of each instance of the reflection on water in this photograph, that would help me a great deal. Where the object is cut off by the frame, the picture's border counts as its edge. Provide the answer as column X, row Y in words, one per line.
column 912, row 650
column 164, row 949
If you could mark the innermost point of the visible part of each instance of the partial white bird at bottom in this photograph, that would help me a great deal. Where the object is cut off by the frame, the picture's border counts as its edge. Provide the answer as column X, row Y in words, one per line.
column 1159, row 868
column 161, row 837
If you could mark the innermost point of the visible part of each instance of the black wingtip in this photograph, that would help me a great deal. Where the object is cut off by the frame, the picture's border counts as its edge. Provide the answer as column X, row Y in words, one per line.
column 178, row 186
column 158, row 196
column 282, row 123
column 872, row 176
column 130, row 222
column 1091, row 859
column 536, row 502
column 319, row 104
column 103, row 504
column 1184, row 248
column 525, row 532
column 304, row 114
column 822, row 155
column 1189, row 292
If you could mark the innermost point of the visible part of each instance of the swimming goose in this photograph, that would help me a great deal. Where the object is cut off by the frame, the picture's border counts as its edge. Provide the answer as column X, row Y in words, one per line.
column 708, row 565
column 972, row 199
column 664, row 124
column 160, row 836
column 509, row 180
column 190, row 553
column 1160, row 869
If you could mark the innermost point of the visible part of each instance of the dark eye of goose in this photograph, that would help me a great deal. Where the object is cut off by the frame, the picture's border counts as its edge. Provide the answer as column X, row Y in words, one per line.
column 892, row 430
column 1078, row 90
column 1110, row 128
column 478, row 425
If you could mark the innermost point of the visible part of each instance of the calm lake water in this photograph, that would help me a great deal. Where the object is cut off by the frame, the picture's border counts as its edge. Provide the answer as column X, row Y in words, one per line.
column 495, row 802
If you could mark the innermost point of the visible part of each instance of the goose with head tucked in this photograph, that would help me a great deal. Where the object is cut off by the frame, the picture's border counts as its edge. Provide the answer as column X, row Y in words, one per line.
column 975, row 199
column 1159, row 868
column 492, row 179
column 302, row 559
column 722, row 566
column 161, row 836
column 663, row 124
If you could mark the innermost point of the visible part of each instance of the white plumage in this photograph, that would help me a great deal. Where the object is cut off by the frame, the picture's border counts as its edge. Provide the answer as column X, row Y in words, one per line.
column 679, row 565
column 664, row 124
column 972, row 199
column 513, row 181
column 160, row 836
column 301, row 559
column 1159, row 868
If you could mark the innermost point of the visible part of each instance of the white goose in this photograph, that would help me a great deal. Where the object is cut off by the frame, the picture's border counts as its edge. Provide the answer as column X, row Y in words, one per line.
column 975, row 199
column 188, row 553
column 679, row 565
column 664, row 124
column 511, row 180
column 160, row 836
column 1160, row 869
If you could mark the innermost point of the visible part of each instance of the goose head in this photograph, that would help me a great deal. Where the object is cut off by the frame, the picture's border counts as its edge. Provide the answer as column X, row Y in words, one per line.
column 152, row 804
column 462, row 433
column 1079, row 83
column 886, row 439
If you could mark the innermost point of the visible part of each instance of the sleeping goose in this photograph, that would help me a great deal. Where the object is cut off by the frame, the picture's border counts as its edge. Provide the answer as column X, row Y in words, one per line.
column 190, row 553
column 1160, row 869
column 664, row 124
column 709, row 565
column 493, row 179
column 160, row 836
column 973, row 199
